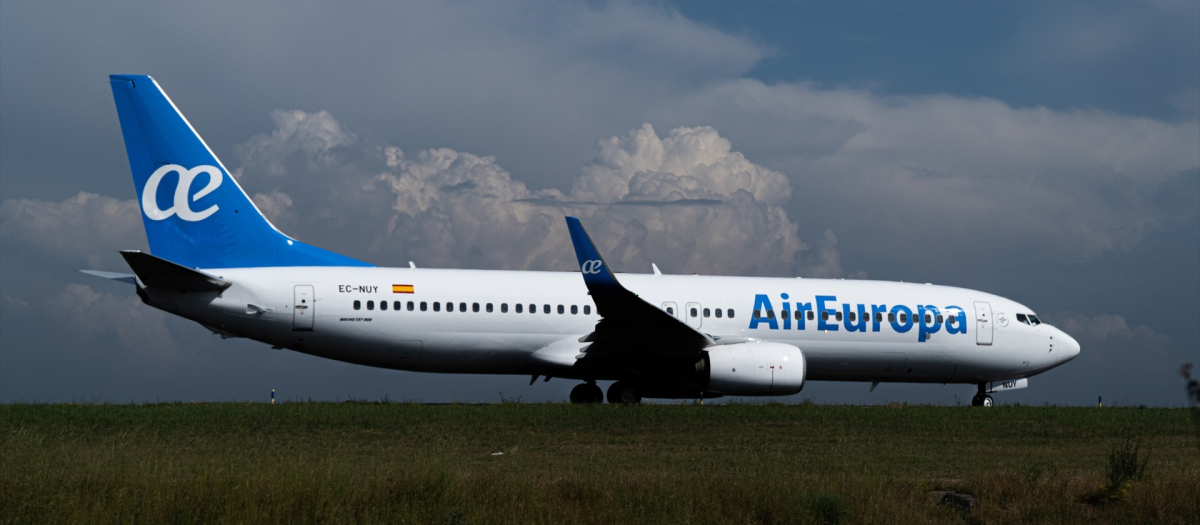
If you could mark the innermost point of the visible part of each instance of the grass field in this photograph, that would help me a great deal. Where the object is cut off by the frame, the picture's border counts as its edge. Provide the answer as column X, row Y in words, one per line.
column 552, row 463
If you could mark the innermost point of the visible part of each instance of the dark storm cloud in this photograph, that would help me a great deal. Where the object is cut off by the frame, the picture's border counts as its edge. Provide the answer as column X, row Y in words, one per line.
column 458, row 136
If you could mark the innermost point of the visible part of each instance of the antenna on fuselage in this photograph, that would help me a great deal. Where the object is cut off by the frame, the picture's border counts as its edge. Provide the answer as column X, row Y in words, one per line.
column 656, row 270
column 412, row 265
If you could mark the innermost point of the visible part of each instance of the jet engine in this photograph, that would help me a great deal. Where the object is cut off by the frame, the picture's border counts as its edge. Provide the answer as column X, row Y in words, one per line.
column 755, row 369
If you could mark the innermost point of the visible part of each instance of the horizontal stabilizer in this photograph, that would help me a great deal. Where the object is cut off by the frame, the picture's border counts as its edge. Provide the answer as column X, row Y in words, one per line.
column 123, row 277
column 158, row 272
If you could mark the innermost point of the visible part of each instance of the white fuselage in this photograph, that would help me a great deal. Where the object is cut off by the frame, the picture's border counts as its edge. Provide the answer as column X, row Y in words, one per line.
column 262, row 305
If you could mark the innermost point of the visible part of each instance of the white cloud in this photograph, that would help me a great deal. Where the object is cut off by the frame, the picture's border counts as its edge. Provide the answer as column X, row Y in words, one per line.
column 86, row 228
column 686, row 201
column 957, row 175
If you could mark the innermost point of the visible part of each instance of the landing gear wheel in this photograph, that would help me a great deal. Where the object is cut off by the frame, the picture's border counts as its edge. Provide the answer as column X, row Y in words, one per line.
column 587, row 393
column 986, row 401
column 622, row 393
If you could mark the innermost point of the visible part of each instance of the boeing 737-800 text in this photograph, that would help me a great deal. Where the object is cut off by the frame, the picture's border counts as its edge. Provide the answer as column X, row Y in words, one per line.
column 215, row 259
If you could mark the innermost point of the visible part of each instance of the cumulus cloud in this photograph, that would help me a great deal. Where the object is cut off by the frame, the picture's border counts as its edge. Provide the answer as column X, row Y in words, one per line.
column 1110, row 333
column 686, row 200
column 949, row 174
column 84, row 229
column 142, row 331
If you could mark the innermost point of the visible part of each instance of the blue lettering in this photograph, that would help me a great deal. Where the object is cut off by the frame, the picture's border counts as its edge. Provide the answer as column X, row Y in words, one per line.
column 787, row 313
column 858, row 326
column 904, row 320
column 929, row 323
column 959, row 326
column 877, row 311
column 824, row 313
column 801, row 313
column 763, row 304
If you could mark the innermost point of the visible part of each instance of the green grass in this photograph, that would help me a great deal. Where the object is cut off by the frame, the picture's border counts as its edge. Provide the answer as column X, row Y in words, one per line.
column 411, row 463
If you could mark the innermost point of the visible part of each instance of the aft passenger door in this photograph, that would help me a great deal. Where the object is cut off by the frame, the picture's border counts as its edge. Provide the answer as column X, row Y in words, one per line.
column 983, row 323
column 303, row 308
column 692, row 312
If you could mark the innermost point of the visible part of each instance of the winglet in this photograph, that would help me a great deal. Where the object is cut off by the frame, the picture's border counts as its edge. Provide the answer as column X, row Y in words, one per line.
column 596, row 273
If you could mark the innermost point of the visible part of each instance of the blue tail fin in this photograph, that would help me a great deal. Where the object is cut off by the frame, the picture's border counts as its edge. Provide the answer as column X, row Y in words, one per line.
column 194, row 212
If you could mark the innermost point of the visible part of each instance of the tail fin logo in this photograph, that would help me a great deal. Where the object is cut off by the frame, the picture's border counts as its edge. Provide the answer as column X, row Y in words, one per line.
column 181, row 206
column 592, row 267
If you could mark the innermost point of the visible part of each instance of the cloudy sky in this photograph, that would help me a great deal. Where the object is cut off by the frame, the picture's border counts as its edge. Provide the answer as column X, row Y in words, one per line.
column 1046, row 152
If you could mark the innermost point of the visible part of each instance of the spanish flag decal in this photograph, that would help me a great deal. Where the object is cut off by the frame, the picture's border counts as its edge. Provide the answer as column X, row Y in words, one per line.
column 403, row 288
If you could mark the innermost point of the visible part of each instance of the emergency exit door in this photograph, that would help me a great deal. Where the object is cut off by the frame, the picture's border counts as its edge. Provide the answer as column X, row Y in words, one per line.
column 983, row 323
column 304, row 308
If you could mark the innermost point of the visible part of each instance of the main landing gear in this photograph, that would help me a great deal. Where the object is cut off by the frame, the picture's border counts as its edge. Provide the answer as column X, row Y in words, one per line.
column 623, row 393
column 587, row 393
column 620, row 393
column 982, row 399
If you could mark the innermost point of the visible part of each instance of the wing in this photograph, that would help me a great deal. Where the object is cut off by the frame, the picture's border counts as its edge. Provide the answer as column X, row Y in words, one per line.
column 628, row 324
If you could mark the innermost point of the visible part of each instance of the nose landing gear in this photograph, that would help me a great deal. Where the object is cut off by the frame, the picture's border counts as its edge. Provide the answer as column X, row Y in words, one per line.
column 982, row 399
column 587, row 393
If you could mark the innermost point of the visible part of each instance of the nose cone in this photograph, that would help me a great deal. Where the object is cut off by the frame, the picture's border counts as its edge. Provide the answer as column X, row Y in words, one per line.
column 1068, row 345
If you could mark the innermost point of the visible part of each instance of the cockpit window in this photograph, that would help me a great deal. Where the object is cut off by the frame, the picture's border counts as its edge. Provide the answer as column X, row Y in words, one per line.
column 1034, row 320
column 1022, row 318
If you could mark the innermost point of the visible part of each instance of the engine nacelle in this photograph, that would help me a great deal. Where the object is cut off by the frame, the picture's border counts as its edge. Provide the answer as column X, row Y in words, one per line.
column 755, row 369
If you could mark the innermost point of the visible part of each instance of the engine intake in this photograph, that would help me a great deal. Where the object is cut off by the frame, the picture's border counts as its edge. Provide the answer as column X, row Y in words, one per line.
column 755, row 369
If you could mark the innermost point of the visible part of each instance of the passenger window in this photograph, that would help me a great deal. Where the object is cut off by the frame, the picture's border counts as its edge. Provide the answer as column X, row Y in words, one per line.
column 939, row 318
column 811, row 315
column 824, row 316
column 903, row 317
column 695, row 313
column 878, row 317
column 928, row 318
column 504, row 308
column 574, row 310
column 838, row 316
column 952, row 320
column 545, row 308
column 706, row 312
column 757, row 314
column 423, row 306
column 383, row 305
column 475, row 307
column 770, row 314
column 370, row 305
column 852, row 319
column 561, row 310
column 357, row 304
column 718, row 312
column 437, row 307
column 533, row 309
column 462, row 307
column 449, row 307
column 891, row 318
column 729, row 313
column 489, row 308
column 587, row 309
column 670, row 310
column 518, row 310
column 410, row 306
column 397, row 305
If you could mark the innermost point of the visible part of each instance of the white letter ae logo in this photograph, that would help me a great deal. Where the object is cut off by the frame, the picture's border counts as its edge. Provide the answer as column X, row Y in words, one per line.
column 592, row 266
column 180, row 206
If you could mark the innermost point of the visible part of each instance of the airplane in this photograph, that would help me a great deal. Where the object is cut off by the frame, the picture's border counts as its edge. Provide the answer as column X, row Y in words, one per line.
column 216, row 260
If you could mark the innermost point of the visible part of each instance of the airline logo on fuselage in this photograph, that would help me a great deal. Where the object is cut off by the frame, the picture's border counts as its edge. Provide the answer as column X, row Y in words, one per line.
column 927, row 319
column 180, row 206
